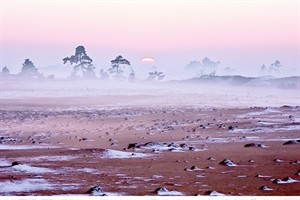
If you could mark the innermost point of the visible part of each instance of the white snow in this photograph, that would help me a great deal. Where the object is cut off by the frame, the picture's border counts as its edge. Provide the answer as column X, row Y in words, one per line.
column 215, row 193
column 52, row 158
column 288, row 181
column 4, row 163
column 30, row 169
column 22, row 147
column 170, row 193
column 121, row 154
column 25, row 185
column 263, row 176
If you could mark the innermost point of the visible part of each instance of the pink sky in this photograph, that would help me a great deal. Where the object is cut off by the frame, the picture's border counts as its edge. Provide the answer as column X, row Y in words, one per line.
column 230, row 31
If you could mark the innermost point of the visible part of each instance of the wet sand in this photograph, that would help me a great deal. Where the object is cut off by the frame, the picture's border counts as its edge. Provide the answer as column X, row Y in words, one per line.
column 60, row 146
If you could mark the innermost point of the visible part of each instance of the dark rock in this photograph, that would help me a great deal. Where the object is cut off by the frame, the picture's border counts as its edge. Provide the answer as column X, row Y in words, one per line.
column 278, row 160
column 230, row 128
column 291, row 142
column 287, row 179
column 265, row 188
column 295, row 162
column 227, row 163
column 15, row 163
column 133, row 145
column 96, row 191
column 277, row 180
column 161, row 189
column 253, row 145
column 213, row 193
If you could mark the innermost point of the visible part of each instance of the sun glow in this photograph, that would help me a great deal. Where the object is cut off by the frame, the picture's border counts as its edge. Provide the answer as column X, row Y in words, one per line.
column 147, row 60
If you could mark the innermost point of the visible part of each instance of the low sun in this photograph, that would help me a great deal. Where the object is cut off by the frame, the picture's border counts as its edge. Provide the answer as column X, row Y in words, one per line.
column 147, row 60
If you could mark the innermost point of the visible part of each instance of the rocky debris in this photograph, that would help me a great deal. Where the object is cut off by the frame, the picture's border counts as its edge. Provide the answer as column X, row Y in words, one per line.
column 193, row 168
column 15, row 163
column 230, row 128
column 162, row 191
column 292, row 142
column 298, row 173
column 278, row 160
column 228, row 163
column 96, row 191
column 251, row 161
column 254, row 145
column 214, row 193
column 157, row 146
column 133, row 145
column 209, row 167
column 211, row 158
column 265, row 188
column 262, row 176
column 295, row 162
column 285, row 180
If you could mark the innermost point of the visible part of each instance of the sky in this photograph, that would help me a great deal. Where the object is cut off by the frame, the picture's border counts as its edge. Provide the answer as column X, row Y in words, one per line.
column 241, row 34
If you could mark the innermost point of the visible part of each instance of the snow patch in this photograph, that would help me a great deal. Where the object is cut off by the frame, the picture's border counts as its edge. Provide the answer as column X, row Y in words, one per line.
column 121, row 154
column 22, row 147
column 31, row 169
column 25, row 185
column 52, row 158
column 4, row 163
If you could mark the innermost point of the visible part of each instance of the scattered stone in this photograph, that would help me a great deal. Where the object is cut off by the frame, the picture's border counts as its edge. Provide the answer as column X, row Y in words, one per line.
column 277, row 180
column 265, row 188
column 15, row 163
column 214, row 193
column 228, row 163
column 289, row 179
column 96, row 191
column 254, row 145
column 162, row 191
column 251, row 161
column 211, row 158
column 295, row 162
column 230, row 128
column 133, row 145
column 285, row 180
column 193, row 168
column 262, row 176
column 278, row 160
column 292, row 142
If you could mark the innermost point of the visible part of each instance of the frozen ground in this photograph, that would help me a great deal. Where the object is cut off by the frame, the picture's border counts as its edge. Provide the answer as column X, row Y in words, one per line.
column 157, row 139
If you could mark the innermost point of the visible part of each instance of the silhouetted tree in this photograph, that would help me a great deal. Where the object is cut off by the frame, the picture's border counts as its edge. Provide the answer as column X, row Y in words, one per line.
column 117, row 67
column 206, row 67
column 131, row 76
column 83, row 63
column 263, row 67
column 5, row 71
column 209, row 67
column 29, row 70
column 103, row 75
column 274, row 68
column 156, row 76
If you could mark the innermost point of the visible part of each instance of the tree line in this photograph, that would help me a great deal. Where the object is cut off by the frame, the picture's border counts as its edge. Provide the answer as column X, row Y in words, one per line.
column 83, row 68
column 121, row 69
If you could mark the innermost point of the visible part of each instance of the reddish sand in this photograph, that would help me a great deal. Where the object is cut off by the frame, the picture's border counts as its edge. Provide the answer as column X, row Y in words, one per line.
column 82, row 137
